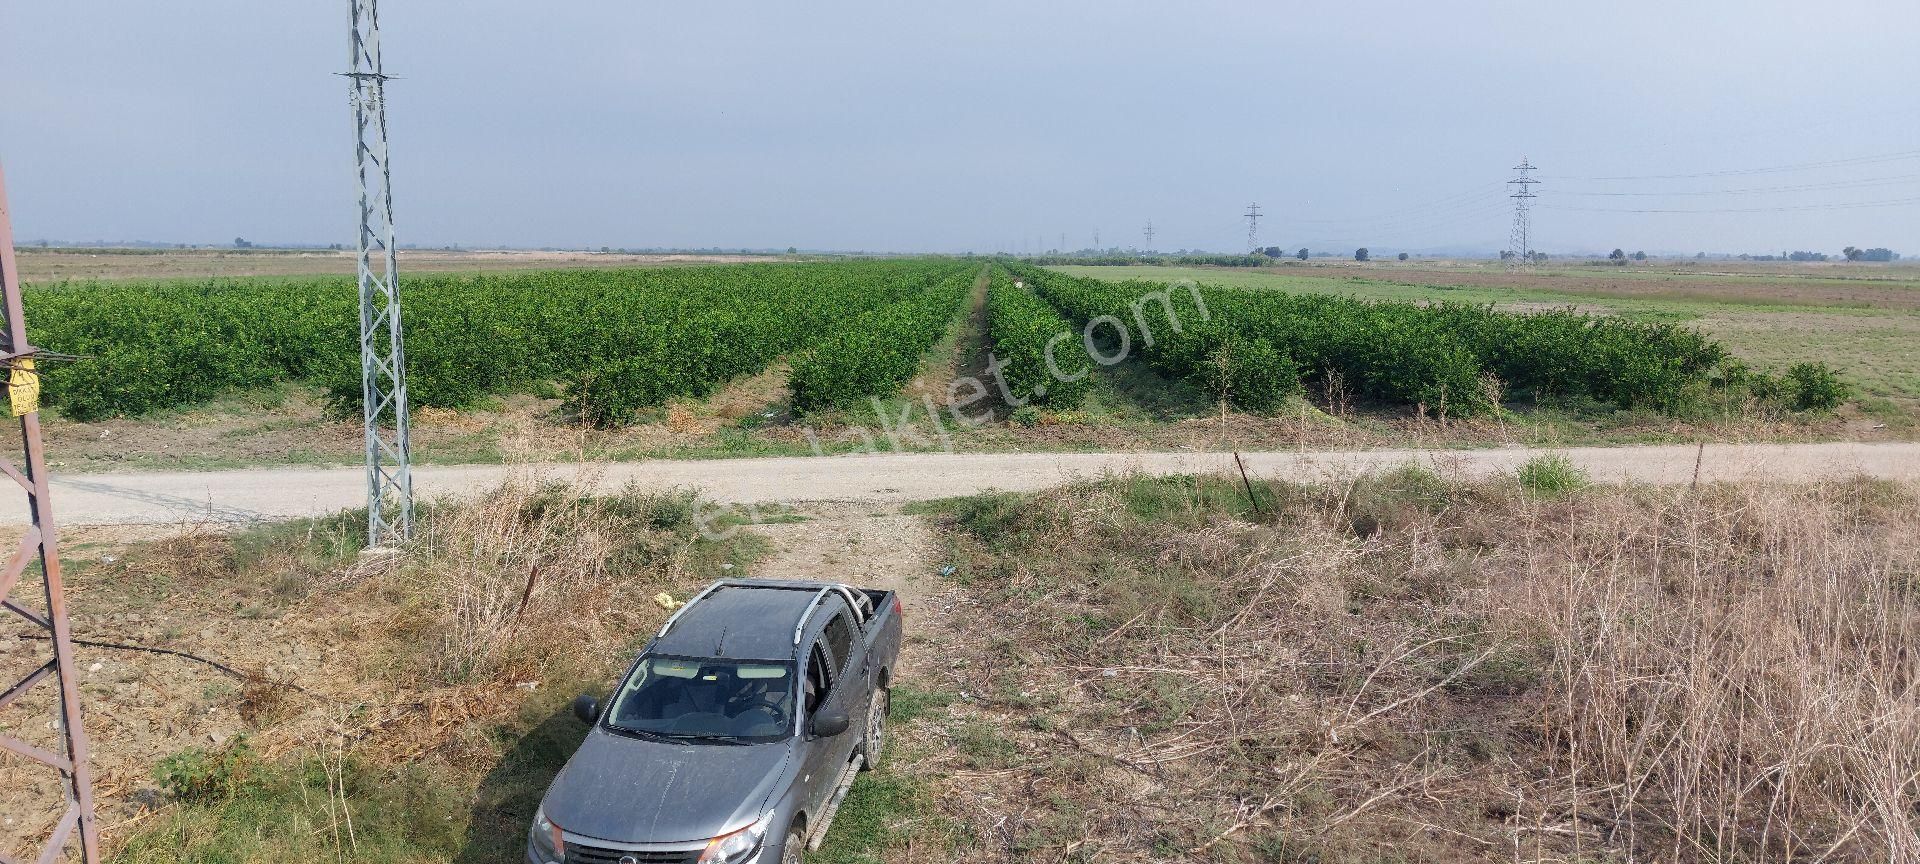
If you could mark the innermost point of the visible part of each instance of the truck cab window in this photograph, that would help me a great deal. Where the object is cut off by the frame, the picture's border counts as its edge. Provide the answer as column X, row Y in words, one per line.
column 839, row 637
column 819, row 680
column 705, row 698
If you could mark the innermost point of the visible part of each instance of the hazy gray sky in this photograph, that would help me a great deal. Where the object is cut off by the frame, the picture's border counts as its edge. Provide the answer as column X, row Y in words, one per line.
column 975, row 125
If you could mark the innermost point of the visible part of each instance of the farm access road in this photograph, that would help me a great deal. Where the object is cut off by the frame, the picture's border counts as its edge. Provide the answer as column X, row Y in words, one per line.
column 286, row 493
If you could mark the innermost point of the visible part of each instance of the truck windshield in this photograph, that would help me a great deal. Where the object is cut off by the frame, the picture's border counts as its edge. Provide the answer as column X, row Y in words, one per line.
column 708, row 699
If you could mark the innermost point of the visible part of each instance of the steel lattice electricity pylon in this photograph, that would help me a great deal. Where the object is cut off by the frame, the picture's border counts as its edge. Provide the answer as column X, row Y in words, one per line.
column 1149, row 232
column 383, row 366
column 1520, row 242
column 1253, row 226
column 41, row 541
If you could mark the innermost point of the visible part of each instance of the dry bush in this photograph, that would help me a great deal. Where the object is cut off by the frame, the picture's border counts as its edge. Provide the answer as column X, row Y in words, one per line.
column 200, row 554
column 539, row 583
column 1401, row 668
column 537, row 576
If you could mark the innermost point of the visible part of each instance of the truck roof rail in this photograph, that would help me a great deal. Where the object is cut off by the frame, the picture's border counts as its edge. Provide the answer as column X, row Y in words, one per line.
column 847, row 593
column 802, row 626
column 863, row 609
column 688, row 605
column 860, row 613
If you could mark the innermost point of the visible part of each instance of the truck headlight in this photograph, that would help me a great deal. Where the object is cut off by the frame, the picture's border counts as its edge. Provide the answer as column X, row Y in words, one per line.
column 546, row 836
column 734, row 848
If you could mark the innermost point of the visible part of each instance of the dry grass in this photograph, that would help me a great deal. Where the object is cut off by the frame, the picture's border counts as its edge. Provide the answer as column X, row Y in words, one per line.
column 1736, row 678
column 1407, row 669
column 537, row 585
column 420, row 667
column 537, row 575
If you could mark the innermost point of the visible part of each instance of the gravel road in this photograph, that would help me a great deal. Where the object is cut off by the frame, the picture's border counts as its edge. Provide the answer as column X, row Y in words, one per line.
column 283, row 493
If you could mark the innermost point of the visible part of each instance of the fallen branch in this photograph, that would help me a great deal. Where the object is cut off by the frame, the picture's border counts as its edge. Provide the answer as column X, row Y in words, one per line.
column 120, row 646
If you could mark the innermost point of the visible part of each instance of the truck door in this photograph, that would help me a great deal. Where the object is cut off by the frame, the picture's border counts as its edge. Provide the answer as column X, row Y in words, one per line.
column 818, row 767
column 854, row 679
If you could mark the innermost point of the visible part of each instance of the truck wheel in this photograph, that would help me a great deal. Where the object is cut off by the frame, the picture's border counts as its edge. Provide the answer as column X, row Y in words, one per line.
column 795, row 846
column 876, row 730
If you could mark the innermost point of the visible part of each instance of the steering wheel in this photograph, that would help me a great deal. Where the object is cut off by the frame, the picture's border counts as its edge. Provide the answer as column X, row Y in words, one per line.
column 764, row 699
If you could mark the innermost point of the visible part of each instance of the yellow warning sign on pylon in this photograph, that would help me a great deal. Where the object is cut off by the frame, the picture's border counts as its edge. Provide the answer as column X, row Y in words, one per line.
column 23, row 387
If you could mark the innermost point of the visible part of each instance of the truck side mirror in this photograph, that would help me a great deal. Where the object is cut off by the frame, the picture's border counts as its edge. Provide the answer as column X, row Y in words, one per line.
column 587, row 709
column 828, row 722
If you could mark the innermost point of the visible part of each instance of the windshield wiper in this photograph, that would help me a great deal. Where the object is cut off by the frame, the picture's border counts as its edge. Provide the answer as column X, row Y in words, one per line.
column 675, row 737
column 734, row 740
column 647, row 734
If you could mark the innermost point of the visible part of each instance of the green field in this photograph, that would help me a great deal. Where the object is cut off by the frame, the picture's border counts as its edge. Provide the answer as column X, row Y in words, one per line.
column 789, row 358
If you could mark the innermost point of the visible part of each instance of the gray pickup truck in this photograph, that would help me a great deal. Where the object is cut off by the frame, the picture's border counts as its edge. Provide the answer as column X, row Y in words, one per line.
column 732, row 738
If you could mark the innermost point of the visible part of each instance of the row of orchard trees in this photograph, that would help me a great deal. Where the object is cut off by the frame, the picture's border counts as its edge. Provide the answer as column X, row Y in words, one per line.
column 612, row 341
column 616, row 343
column 1259, row 349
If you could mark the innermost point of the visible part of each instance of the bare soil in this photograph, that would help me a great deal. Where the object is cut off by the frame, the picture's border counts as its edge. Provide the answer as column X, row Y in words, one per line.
column 139, row 707
column 874, row 546
column 751, row 416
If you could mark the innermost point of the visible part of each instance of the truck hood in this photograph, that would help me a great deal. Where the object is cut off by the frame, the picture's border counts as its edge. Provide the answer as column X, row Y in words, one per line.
column 627, row 790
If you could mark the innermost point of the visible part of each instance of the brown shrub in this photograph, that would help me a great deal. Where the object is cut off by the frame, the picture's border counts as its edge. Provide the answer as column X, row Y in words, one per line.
column 537, row 577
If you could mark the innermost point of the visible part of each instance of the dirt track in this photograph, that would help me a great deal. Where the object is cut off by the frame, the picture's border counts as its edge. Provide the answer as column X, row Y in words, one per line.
column 266, row 494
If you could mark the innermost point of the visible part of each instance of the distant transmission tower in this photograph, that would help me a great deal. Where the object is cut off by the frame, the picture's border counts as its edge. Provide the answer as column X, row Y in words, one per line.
column 1253, row 226
column 1149, row 232
column 1520, row 242
column 383, row 357
column 1096, row 238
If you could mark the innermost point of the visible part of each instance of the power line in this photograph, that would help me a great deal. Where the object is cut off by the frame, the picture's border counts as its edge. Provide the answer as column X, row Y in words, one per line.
column 1773, row 130
column 1497, row 200
column 1467, row 198
column 1865, row 183
column 1499, row 205
column 1772, row 169
column 1848, row 205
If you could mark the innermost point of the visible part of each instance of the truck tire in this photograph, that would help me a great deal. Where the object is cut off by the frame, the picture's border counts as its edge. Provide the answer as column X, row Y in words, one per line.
column 875, row 740
column 795, row 847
